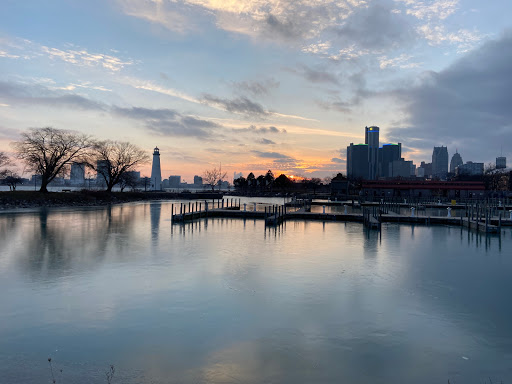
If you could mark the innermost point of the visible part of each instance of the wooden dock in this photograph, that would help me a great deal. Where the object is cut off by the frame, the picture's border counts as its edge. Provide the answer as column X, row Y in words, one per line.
column 371, row 217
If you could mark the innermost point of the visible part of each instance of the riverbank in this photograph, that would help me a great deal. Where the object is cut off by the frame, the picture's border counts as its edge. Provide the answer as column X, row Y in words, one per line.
column 84, row 198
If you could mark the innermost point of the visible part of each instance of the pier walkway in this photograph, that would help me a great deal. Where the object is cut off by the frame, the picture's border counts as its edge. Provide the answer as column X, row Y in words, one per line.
column 371, row 217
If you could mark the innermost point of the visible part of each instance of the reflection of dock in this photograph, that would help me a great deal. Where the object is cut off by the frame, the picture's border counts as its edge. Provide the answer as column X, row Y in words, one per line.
column 370, row 217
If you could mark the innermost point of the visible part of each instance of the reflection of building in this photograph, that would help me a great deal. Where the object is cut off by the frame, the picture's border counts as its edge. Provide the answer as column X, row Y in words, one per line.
column 357, row 161
column 455, row 162
column 77, row 174
column 156, row 174
column 501, row 162
column 471, row 169
column 174, row 181
column 440, row 162
column 198, row 181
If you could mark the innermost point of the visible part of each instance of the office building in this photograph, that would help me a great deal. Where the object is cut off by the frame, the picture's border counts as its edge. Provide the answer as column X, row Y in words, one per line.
column 440, row 162
column 198, row 181
column 174, row 181
column 387, row 154
column 371, row 138
column 77, row 174
column 427, row 169
column 156, row 174
column 501, row 162
column 357, row 161
column 455, row 162
column 401, row 168
column 470, row 169
column 102, row 173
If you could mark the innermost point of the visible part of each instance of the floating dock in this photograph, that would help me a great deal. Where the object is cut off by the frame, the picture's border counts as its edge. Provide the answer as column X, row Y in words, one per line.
column 372, row 218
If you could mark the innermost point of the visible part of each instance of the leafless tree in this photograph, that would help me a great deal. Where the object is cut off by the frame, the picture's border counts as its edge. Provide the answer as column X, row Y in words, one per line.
column 128, row 179
column 4, row 161
column 213, row 177
column 112, row 159
column 47, row 151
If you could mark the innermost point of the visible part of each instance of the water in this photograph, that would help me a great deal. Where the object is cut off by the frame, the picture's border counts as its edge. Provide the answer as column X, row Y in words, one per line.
column 228, row 301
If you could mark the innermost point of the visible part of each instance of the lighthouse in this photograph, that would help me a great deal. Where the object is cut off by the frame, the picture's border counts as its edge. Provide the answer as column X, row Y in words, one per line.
column 156, row 174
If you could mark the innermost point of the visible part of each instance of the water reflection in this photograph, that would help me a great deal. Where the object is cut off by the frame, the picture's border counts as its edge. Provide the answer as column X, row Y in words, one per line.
column 226, row 301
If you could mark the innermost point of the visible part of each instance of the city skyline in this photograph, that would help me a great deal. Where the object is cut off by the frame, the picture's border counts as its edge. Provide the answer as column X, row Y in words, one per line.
column 257, row 85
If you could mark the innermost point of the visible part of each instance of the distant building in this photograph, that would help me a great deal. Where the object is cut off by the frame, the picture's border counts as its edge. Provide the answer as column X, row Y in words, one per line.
column 420, row 172
column 156, row 174
column 471, row 169
column 357, row 161
column 198, row 181
column 102, row 172
column 371, row 138
column 174, row 181
column 501, row 162
column 455, row 162
column 427, row 169
column 440, row 162
column 77, row 174
column 387, row 154
column 402, row 168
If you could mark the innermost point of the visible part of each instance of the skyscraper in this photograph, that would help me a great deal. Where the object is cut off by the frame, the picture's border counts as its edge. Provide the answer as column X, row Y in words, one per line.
column 387, row 154
column 371, row 138
column 357, row 161
column 156, row 174
column 501, row 162
column 440, row 162
column 77, row 175
column 455, row 162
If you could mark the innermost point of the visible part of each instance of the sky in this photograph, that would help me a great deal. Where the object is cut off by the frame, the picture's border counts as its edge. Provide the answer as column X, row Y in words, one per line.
column 253, row 85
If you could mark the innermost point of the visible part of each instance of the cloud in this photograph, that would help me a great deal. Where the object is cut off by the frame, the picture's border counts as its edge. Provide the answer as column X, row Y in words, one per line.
column 146, row 113
column 376, row 28
column 466, row 105
column 266, row 141
column 256, row 88
column 37, row 95
column 184, row 126
column 239, row 105
column 317, row 75
column 27, row 50
column 168, row 122
column 260, row 130
column 271, row 155
column 402, row 62
column 273, row 20
column 338, row 160
column 162, row 121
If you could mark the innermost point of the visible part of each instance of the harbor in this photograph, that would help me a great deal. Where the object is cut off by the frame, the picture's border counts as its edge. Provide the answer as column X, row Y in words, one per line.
column 479, row 217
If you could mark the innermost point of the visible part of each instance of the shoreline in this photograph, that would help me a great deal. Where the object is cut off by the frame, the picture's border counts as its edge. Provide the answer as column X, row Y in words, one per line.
column 22, row 201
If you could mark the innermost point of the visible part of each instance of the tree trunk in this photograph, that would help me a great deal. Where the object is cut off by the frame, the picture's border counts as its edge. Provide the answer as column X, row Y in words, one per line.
column 44, row 184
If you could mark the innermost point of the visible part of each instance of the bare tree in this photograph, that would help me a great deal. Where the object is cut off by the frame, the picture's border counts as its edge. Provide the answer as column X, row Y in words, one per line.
column 128, row 179
column 12, row 180
column 47, row 151
column 112, row 159
column 213, row 177
column 4, row 161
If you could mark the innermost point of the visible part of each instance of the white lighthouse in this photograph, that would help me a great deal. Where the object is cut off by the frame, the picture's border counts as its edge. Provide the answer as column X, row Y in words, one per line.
column 156, row 174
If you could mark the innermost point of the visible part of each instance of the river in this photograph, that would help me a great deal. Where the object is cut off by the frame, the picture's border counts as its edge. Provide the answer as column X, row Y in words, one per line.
column 229, row 301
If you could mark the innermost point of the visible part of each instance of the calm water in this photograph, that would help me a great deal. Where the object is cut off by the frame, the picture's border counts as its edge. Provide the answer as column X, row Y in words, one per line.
column 227, row 301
